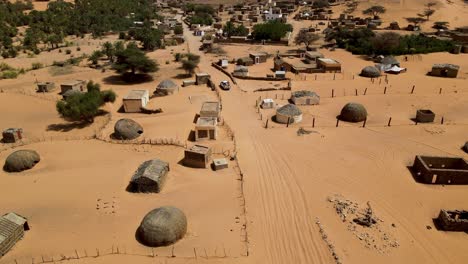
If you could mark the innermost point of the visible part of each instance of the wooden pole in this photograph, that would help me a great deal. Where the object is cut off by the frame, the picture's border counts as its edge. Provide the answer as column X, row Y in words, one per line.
column 412, row 89
column 289, row 119
column 334, row 76
column 313, row 122
column 355, row 91
column 365, row 91
column 440, row 91
column 337, row 122
column 333, row 93
column 389, row 121
column 385, row 90
column 195, row 253
column 442, row 121
column 364, row 124
column 77, row 256
column 266, row 125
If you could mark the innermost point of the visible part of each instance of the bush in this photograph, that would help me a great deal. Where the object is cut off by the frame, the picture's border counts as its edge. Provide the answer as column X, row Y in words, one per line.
column 59, row 63
column 167, row 62
column 68, row 52
column 272, row 30
column 78, row 49
column 9, row 74
column 178, row 30
column 122, row 35
column 37, row 65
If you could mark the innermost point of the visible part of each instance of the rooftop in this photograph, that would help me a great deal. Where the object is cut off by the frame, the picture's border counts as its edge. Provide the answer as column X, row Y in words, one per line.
column 199, row 149
column 207, row 121
column 71, row 83
column 210, row 107
column 328, row 61
column 135, row 94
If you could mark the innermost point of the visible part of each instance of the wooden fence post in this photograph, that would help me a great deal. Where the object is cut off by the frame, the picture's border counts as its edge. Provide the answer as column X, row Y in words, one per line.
column 356, row 91
column 364, row 124
column 442, row 121
column 313, row 122
column 412, row 89
column 440, row 91
column 337, row 122
column 365, row 91
column 333, row 93
column 385, row 90
column 266, row 125
column 389, row 121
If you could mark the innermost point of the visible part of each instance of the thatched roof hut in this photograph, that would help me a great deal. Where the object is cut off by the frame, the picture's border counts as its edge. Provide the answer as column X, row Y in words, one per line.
column 127, row 129
column 149, row 177
column 390, row 60
column 166, row 87
column 21, row 160
column 353, row 112
column 289, row 113
column 370, row 72
column 162, row 226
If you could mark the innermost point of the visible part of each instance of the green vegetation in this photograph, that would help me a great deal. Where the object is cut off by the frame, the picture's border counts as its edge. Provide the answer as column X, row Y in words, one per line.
column 374, row 10
column 272, row 30
column 8, row 72
column 306, row 38
column 36, row 65
column 178, row 30
column 202, row 14
column 232, row 30
column 132, row 60
column 190, row 62
column 365, row 41
column 85, row 106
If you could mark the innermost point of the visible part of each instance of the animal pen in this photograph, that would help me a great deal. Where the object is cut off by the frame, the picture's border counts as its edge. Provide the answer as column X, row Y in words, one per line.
column 440, row 170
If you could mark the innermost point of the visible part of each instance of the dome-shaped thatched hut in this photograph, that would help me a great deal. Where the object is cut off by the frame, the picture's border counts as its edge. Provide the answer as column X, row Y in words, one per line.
column 465, row 147
column 21, row 160
column 289, row 113
column 353, row 112
column 162, row 226
column 127, row 129
column 166, row 87
column 370, row 72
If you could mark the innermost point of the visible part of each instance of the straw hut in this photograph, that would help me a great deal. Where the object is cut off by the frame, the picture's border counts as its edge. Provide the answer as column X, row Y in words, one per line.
column 370, row 72
column 445, row 70
column 305, row 97
column 21, row 160
column 166, row 87
column 353, row 112
column 127, row 129
column 149, row 177
column 162, row 226
column 289, row 113
column 12, row 227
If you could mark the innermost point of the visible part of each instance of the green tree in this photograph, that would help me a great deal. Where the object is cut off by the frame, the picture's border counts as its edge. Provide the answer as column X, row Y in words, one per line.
column 306, row 38
column 85, row 106
column 132, row 60
column 95, row 56
column 272, row 30
column 178, row 30
column 374, row 10
column 427, row 13
column 150, row 38
column 441, row 25
column 190, row 63
column 109, row 50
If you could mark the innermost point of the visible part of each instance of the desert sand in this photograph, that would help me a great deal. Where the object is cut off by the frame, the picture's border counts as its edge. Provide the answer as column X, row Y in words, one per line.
column 77, row 206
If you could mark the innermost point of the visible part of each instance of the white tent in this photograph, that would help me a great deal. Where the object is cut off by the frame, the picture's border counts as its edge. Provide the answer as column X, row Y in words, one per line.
column 395, row 70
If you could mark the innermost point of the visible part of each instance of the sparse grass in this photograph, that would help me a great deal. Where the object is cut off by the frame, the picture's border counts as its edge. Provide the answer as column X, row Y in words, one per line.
column 61, row 70
column 37, row 65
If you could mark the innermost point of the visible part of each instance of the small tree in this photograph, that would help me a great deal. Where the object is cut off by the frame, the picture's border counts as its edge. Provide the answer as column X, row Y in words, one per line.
column 190, row 62
column 109, row 50
column 415, row 20
column 374, row 10
column 427, row 13
column 306, row 38
column 95, row 56
column 441, row 25
column 132, row 60
column 178, row 30
column 85, row 106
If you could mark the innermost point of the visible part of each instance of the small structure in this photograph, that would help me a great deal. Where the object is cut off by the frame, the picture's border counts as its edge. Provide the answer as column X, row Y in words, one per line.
column 219, row 164
column 312, row 56
column 21, row 160
column 11, row 135
column 305, row 97
column 424, row 116
column 456, row 220
column 162, row 227
column 353, row 112
column 440, row 170
column 12, row 227
column 45, row 87
column 127, row 129
column 328, row 65
column 206, row 128
column 465, row 147
column 245, row 61
column 210, row 109
column 267, row 103
column 241, row 71
column 445, row 70
column 394, row 26
column 280, row 74
column 289, row 113
column 202, row 78
column 77, row 85
column 135, row 100
column 149, row 177
column 166, row 87
column 258, row 57
column 197, row 156
column 223, row 62
column 370, row 72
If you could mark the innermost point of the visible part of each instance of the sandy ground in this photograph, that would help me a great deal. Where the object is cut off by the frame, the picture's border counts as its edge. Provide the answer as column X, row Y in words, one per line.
column 287, row 178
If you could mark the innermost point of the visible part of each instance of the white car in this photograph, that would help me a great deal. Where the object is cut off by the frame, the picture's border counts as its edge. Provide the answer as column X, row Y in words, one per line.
column 225, row 85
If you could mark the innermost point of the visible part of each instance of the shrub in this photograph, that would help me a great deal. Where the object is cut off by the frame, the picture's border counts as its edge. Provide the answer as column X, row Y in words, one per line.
column 122, row 35
column 78, row 48
column 68, row 52
column 167, row 62
column 9, row 74
column 37, row 65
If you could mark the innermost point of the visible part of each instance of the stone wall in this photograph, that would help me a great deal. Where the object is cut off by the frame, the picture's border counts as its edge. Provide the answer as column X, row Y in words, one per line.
column 453, row 220
column 440, row 170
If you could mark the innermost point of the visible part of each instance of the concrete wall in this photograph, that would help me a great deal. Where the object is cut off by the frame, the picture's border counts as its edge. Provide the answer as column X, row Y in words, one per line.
column 453, row 220
column 440, row 170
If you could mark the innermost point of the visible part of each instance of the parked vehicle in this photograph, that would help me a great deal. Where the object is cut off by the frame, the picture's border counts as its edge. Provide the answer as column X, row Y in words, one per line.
column 225, row 85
